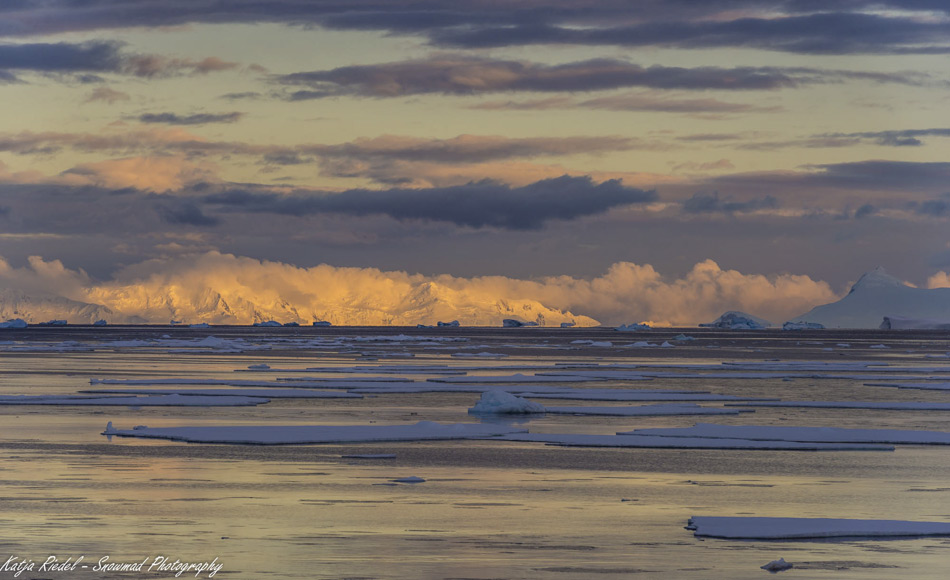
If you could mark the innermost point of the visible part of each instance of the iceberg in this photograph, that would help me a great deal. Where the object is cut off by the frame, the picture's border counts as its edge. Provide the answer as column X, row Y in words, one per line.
column 901, row 323
column 735, row 320
column 502, row 403
column 321, row 323
column 15, row 323
column 632, row 327
column 267, row 323
column 878, row 296
column 453, row 324
column 512, row 323
column 802, row 326
column 100, row 322
column 777, row 565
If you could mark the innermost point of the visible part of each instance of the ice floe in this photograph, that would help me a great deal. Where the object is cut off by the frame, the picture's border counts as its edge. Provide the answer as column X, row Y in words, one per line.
column 169, row 400
column 766, row 528
column 801, row 434
column 644, row 410
column 503, row 403
column 274, row 393
column 311, row 434
column 777, row 565
column 621, row 440
column 890, row 406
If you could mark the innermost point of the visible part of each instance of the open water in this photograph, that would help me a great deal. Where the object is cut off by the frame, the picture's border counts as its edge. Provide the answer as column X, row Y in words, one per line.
column 488, row 509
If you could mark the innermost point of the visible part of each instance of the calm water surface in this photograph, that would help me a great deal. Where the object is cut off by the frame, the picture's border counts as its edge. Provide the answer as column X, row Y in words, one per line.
column 487, row 510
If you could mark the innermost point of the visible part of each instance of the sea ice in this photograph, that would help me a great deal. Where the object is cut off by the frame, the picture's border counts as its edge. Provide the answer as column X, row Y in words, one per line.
column 621, row 440
column 632, row 327
column 268, row 393
column 311, row 434
column 890, row 406
column 764, row 528
column 172, row 400
column 515, row 378
column 642, row 410
column 502, row 403
column 804, row 434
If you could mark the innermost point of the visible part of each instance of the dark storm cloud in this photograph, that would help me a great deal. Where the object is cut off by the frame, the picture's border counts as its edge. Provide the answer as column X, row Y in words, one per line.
column 465, row 75
column 711, row 203
column 197, row 119
column 821, row 33
column 481, row 204
column 185, row 213
column 61, row 57
column 98, row 57
column 856, row 177
column 829, row 27
column 865, row 211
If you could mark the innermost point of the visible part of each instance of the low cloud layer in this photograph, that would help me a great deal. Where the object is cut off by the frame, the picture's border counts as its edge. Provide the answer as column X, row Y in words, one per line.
column 223, row 288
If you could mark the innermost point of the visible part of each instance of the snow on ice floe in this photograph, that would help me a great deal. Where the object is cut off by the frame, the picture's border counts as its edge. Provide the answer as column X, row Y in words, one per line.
column 502, row 403
column 765, row 528
column 801, row 434
column 735, row 320
column 934, row 386
column 645, row 410
column 621, row 440
column 311, row 434
column 889, row 406
column 515, row 378
column 597, row 343
column 170, row 400
column 268, row 393
column 283, row 384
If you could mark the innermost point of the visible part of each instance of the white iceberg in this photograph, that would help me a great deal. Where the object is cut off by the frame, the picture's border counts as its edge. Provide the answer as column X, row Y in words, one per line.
column 453, row 324
column 735, row 320
column 778, row 565
column 764, row 528
column 267, row 323
column 902, row 323
column 100, row 322
column 877, row 295
column 14, row 323
column 503, row 403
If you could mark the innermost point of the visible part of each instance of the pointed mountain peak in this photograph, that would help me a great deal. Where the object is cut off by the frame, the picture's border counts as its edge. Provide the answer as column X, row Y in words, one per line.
column 877, row 278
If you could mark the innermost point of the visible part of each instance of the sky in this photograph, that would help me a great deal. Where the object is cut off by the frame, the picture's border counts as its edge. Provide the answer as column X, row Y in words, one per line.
column 612, row 160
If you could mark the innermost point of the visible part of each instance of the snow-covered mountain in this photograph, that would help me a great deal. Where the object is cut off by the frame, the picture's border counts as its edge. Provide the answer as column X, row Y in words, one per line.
column 35, row 308
column 876, row 295
column 426, row 302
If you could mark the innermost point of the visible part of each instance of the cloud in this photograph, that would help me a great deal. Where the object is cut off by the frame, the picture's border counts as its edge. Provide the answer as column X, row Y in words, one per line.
column 477, row 204
column 649, row 102
column 797, row 26
column 823, row 32
column 224, row 288
column 710, row 203
column 186, row 213
column 939, row 280
column 145, row 173
column 196, row 119
column 465, row 75
column 107, row 95
column 100, row 57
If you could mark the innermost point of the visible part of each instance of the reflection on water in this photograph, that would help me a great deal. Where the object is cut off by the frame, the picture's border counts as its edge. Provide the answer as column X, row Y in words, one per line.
column 486, row 509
